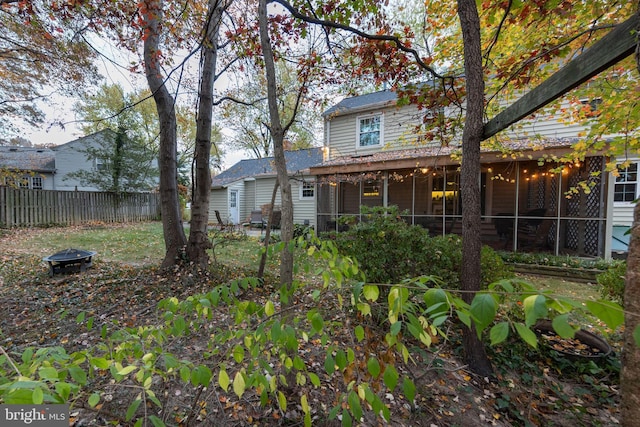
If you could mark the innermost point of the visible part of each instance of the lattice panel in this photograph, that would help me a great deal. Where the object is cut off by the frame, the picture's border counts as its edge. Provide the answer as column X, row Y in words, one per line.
column 573, row 209
column 591, row 233
column 542, row 193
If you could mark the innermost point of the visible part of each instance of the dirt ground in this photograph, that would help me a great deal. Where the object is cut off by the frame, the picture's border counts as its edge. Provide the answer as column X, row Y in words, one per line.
column 532, row 388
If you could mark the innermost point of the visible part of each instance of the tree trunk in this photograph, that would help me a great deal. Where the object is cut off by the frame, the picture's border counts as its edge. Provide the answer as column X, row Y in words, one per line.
column 476, row 356
column 174, row 237
column 277, row 133
column 630, row 374
column 198, row 237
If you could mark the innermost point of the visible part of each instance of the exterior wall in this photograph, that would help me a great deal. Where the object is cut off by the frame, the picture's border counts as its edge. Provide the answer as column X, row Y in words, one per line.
column 218, row 200
column 397, row 126
column 248, row 200
column 546, row 125
column 69, row 158
column 623, row 211
column 303, row 209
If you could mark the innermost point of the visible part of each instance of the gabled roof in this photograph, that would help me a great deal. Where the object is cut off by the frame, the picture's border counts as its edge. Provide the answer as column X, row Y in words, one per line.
column 27, row 159
column 362, row 102
column 297, row 161
column 104, row 134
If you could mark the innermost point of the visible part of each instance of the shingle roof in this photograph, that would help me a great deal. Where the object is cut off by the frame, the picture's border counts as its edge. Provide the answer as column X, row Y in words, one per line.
column 434, row 151
column 360, row 102
column 27, row 159
column 298, row 160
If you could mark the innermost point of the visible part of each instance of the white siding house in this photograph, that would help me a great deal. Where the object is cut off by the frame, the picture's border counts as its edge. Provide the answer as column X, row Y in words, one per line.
column 249, row 184
column 28, row 167
column 374, row 157
column 73, row 156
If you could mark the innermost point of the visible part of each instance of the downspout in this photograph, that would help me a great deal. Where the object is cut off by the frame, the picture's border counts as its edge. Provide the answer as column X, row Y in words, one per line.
column 517, row 206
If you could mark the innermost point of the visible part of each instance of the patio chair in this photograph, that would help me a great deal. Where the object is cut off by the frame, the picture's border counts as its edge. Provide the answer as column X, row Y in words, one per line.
column 256, row 219
column 221, row 223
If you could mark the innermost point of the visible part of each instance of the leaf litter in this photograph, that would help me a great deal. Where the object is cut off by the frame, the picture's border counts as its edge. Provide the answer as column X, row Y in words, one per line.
column 39, row 311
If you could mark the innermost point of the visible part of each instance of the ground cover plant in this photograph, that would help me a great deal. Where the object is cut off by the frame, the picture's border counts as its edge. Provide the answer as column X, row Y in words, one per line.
column 128, row 344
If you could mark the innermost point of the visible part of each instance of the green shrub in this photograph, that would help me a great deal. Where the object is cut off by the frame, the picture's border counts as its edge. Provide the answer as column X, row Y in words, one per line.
column 612, row 282
column 388, row 250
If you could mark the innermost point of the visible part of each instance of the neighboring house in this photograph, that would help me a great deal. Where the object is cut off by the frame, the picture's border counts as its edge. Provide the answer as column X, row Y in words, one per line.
column 248, row 185
column 28, row 167
column 373, row 158
column 73, row 156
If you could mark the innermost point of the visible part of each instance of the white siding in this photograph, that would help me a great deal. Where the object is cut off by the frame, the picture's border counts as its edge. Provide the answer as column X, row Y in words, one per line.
column 70, row 159
column 623, row 211
column 264, row 190
column 398, row 124
column 218, row 200
column 248, row 200
column 303, row 209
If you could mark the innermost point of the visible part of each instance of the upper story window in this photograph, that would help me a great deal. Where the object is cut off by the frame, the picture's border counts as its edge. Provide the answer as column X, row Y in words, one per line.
column 370, row 131
column 101, row 164
column 626, row 184
column 307, row 190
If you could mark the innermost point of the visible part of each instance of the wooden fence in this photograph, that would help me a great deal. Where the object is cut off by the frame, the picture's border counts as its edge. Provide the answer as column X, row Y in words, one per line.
column 21, row 207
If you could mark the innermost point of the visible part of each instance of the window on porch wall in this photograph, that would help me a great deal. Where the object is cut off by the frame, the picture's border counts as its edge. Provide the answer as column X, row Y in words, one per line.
column 626, row 186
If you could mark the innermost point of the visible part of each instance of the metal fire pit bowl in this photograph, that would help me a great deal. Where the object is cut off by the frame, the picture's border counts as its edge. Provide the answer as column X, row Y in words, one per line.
column 69, row 260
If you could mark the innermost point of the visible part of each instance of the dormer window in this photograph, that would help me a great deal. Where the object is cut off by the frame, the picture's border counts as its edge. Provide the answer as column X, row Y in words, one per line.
column 369, row 131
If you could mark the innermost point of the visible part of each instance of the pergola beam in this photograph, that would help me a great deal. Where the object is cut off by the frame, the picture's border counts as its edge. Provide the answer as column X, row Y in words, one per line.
column 610, row 49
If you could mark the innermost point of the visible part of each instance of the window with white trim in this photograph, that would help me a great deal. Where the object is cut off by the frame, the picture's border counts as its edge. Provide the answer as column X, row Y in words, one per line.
column 101, row 164
column 24, row 181
column 369, row 131
column 626, row 185
column 36, row 182
column 307, row 190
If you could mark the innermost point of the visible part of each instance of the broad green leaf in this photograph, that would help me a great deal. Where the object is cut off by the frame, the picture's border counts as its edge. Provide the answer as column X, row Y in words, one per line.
column 269, row 308
column 329, row 364
column 395, row 328
column 483, row 310
column 37, row 395
column 535, row 308
column 373, row 366
column 436, row 301
column 157, row 422
column 94, row 399
column 78, row 374
column 304, row 403
column 499, row 333
column 609, row 312
column 48, row 372
column 346, row 419
column 282, row 401
column 636, row 335
column 201, row 375
column 238, row 353
column 409, row 389
column 131, row 410
column 341, row 359
column 127, row 370
column 390, row 377
column 239, row 385
column 359, row 331
column 224, row 380
column 64, row 390
column 562, row 327
column 354, row 405
column 527, row 335
column 315, row 380
column 317, row 322
column 100, row 362
column 371, row 292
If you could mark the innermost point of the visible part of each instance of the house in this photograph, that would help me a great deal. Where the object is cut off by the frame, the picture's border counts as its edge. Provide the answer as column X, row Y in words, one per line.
column 28, row 167
column 373, row 157
column 248, row 185
column 91, row 153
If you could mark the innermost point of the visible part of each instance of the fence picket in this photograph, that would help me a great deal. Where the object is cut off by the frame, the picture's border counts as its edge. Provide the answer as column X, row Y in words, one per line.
column 21, row 207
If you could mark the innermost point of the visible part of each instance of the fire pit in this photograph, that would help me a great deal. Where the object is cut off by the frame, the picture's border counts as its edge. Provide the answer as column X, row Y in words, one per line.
column 69, row 260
